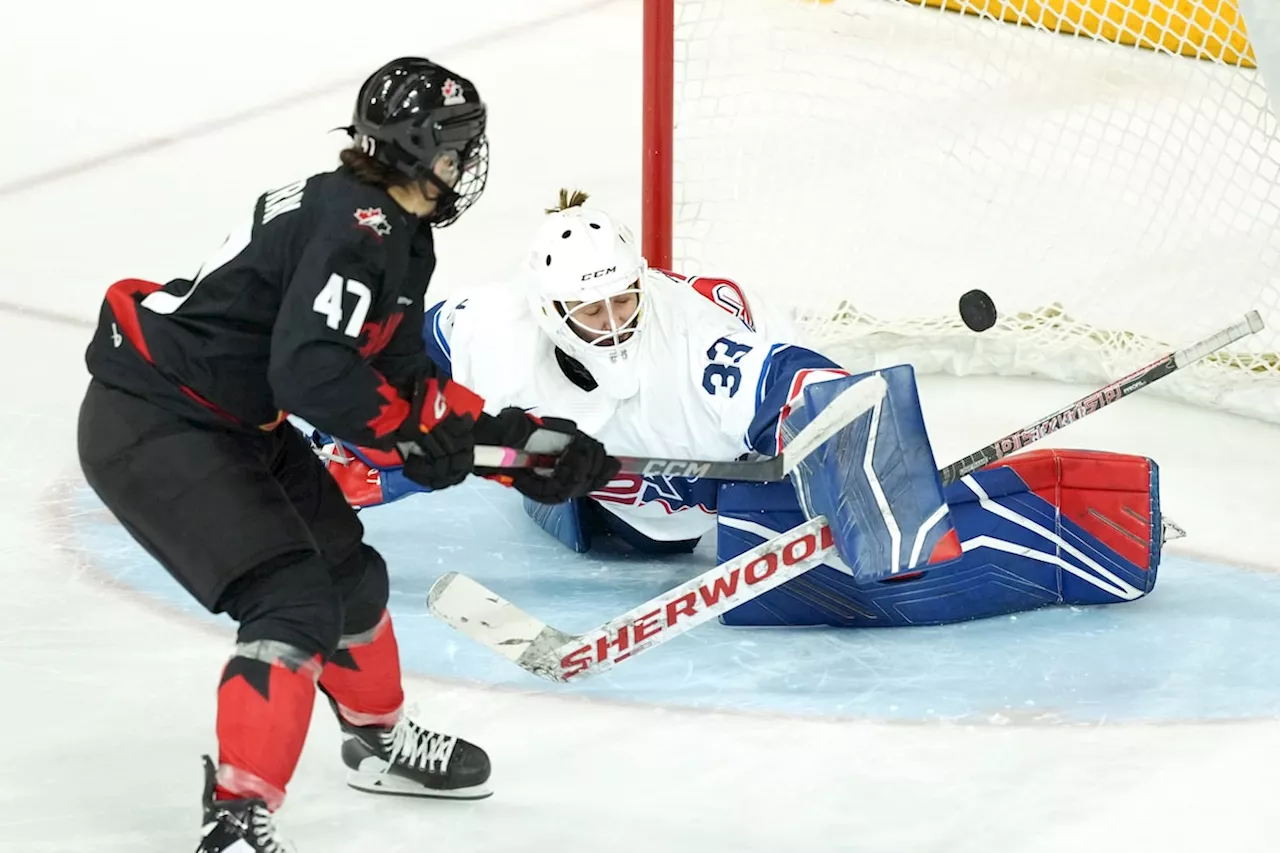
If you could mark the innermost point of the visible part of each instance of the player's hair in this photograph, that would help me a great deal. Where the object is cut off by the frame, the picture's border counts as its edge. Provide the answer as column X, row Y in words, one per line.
column 370, row 171
column 568, row 199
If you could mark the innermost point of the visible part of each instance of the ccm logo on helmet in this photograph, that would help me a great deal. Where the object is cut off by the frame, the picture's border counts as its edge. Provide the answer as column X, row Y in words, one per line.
column 598, row 273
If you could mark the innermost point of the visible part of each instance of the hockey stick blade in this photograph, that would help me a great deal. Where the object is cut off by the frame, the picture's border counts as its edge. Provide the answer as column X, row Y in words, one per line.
column 1250, row 324
column 855, row 400
column 549, row 653
column 490, row 619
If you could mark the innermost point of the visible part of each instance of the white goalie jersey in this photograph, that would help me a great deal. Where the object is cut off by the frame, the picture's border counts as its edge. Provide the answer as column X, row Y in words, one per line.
column 715, row 374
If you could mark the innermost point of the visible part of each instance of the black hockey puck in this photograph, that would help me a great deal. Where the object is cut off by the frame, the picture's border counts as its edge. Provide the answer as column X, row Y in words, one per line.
column 977, row 310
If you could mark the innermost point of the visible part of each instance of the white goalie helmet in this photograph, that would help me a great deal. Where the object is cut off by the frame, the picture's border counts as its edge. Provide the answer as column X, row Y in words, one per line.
column 579, row 273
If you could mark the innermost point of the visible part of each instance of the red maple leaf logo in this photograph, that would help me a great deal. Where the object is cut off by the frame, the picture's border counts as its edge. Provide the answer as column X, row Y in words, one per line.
column 378, row 334
column 374, row 220
column 452, row 92
column 391, row 414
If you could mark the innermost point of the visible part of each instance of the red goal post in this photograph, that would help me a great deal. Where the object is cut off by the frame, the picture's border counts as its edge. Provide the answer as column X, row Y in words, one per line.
column 1109, row 170
column 657, row 131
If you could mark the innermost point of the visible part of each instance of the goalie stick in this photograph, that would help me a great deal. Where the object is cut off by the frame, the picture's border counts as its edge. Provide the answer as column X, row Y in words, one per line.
column 550, row 653
column 777, row 468
column 1105, row 396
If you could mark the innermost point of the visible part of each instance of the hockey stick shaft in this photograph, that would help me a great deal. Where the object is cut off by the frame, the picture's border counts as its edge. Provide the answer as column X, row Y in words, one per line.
column 1105, row 396
column 706, row 597
column 824, row 424
column 760, row 471
column 549, row 653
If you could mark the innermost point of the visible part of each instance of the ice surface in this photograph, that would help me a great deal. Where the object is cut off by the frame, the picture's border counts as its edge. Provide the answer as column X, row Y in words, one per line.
column 1142, row 726
column 1199, row 649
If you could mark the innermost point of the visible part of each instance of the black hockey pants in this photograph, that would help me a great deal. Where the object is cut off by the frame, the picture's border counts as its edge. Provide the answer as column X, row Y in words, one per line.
column 250, row 523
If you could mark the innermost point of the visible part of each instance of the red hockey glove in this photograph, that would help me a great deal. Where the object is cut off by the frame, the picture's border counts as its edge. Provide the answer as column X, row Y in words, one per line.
column 581, row 467
column 437, row 440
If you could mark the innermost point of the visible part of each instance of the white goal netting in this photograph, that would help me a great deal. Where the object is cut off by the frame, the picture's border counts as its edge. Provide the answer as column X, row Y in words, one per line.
column 867, row 161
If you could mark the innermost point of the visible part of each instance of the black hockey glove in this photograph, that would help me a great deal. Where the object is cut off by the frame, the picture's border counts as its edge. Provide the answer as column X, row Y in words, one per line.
column 437, row 440
column 581, row 467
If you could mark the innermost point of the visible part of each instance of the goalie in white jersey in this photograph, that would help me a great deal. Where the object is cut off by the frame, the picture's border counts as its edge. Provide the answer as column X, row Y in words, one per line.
column 646, row 361
column 652, row 363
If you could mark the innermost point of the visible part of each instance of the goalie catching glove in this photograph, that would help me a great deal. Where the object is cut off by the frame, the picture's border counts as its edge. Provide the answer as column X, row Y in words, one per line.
column 582, row 465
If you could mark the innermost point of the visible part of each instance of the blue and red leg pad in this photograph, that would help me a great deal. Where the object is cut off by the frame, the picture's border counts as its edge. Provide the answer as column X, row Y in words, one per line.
column 1038, row 529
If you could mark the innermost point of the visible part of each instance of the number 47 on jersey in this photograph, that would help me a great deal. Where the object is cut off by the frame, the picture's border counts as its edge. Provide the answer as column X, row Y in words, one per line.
column 329, row 304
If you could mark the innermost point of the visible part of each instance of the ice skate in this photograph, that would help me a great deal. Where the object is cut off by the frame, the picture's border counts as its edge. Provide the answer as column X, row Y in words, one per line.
column 237, row 826
column 409, row 760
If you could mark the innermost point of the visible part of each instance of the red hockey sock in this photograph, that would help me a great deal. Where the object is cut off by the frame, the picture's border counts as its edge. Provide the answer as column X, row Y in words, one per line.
column 264, row 709
column 363, row 677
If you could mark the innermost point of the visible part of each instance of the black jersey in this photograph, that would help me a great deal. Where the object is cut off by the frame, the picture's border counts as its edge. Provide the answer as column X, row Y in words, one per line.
column 313, row 307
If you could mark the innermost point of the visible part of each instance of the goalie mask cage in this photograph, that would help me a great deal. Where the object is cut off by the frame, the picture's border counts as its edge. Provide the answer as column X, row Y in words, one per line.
column 1108, row 170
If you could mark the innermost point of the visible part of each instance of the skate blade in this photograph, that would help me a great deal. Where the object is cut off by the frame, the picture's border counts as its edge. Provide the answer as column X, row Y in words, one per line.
column 385, row 783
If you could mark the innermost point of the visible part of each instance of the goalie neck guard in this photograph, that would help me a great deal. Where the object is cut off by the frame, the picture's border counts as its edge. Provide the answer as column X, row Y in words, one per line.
column 580, row 260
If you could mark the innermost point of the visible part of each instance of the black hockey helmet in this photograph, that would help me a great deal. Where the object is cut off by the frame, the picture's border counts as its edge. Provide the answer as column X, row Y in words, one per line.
column 428, row 123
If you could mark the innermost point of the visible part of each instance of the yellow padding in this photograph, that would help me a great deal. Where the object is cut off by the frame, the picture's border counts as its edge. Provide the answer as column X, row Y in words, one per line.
column 1205, row 29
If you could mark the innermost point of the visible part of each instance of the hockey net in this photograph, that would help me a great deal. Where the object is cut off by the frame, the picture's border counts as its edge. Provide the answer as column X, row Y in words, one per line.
column 1108, row 170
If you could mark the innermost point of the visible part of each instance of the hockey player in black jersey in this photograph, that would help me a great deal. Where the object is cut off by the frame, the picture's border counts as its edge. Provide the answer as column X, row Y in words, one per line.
column 312, row 307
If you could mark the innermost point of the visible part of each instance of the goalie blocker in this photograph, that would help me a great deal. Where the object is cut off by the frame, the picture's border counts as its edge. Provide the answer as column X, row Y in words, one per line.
column 1041, row 528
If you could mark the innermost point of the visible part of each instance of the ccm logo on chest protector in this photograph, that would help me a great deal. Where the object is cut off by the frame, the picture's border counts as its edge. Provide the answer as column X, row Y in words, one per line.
column 599, row 273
